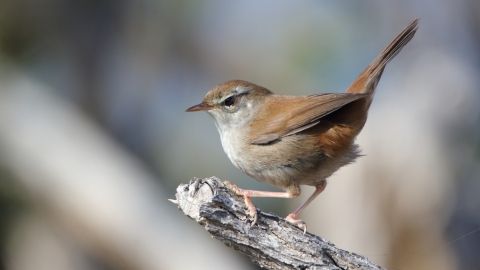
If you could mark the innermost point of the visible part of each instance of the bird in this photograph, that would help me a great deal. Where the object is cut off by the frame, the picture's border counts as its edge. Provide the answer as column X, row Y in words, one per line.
column 289, row 141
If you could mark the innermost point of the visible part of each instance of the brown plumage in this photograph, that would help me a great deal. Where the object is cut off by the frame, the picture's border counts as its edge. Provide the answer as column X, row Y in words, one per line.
column 289, row 141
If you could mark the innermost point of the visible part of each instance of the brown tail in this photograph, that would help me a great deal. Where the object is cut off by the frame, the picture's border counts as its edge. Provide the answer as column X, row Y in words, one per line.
column 368, row 79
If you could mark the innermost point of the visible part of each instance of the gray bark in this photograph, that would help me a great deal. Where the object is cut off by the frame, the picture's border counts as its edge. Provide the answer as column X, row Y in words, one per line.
column 272, row 242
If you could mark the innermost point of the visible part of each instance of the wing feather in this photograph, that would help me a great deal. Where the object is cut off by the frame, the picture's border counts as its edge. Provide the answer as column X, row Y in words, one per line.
column 295, row 114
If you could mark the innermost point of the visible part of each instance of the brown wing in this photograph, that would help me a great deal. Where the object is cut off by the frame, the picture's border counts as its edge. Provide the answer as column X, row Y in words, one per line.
column 294, row 114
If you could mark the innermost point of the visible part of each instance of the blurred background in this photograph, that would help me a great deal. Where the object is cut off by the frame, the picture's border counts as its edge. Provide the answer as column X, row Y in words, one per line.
column 94, row 138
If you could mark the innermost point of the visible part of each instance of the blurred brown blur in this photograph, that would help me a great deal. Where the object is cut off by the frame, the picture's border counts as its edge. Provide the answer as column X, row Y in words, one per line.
column 94, row 138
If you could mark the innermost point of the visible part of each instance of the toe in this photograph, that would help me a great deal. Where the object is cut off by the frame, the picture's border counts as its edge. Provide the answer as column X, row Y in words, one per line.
column 235, row 189
column 254, row 216
column 297, row 222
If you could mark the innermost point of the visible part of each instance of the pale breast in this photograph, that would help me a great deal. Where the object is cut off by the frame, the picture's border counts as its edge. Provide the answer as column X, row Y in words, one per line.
column 283, row 163
column 233, row 142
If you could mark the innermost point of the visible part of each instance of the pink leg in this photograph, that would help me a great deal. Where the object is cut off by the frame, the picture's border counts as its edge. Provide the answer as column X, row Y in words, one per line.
column 292, row 192
column 292, row 218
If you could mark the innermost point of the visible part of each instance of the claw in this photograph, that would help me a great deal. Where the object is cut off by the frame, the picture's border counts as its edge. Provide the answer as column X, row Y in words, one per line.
column 241, row 192
column 252, row 209
column 297, row 222
column 254, row 219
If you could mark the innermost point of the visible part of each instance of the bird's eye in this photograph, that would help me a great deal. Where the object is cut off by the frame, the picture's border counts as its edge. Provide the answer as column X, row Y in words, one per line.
column 229, row 101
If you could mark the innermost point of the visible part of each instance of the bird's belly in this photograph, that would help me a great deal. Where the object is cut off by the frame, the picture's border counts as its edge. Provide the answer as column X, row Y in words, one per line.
column 286, row 162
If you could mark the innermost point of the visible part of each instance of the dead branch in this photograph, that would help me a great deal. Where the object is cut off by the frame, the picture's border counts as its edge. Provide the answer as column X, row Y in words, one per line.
column 272, row 242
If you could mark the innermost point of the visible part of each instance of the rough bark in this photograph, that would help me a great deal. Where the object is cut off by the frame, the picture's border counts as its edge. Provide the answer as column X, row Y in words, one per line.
column 272, row 242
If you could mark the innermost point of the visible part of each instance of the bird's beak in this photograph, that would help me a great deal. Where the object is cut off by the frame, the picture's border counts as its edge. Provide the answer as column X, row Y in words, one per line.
column 200, row 107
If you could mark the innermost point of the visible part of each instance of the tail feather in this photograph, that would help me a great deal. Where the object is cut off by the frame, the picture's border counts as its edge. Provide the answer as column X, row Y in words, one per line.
column 368, row 79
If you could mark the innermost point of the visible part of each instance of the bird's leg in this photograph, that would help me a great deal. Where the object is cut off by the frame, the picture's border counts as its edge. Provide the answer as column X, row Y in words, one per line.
column 291, row 192
column 292, row 218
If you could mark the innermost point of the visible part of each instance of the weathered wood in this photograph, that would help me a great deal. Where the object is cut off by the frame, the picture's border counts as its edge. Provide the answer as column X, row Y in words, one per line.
column 272, row 242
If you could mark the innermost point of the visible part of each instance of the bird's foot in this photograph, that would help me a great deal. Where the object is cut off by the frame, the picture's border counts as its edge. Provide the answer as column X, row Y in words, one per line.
column 248, row 202
column 292, row 218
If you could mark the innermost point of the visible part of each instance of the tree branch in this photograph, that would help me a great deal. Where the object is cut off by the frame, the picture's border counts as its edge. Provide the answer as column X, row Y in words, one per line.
column 272, row 242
